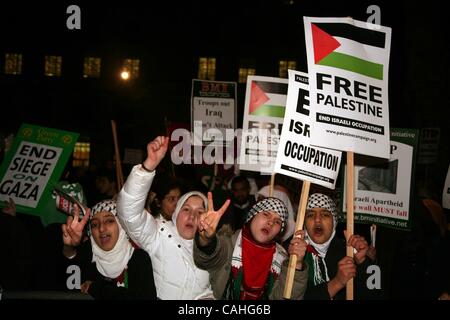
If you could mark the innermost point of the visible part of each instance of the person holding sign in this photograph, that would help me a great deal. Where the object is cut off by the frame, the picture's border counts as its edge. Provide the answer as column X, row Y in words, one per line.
column 330, row 269
column 168, row 244
column 249, row 265
column 111, row 267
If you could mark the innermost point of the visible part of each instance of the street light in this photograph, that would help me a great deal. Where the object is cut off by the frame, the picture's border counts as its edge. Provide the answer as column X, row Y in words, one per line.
column 125, row 75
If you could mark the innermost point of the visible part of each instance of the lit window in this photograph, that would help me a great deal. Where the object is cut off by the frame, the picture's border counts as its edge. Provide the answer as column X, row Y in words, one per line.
column 91, row 67
column 81, row 154
column 207, row 68
column 13, row 63
column 130, row 69
column 292, row 65
column 53, row 66
column 244, row 72
column 284, row 66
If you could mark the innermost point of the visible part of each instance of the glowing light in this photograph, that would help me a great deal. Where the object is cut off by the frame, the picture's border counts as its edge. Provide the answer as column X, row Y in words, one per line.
column 125, row 75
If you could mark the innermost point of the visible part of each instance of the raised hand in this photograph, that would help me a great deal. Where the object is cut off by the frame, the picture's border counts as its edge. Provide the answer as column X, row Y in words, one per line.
column 72, row 230
column 156, row 151
column 208, row 221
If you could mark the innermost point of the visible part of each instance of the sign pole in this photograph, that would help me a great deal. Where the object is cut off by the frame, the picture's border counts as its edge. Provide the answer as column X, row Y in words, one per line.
column 119, row 174
column 350, row 215
column 298, row 226
column 272, row 184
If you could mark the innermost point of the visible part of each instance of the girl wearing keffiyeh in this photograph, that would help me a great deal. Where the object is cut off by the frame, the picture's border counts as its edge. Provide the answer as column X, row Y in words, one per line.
column 249, row 264
column 112, row 268
column 329, row 268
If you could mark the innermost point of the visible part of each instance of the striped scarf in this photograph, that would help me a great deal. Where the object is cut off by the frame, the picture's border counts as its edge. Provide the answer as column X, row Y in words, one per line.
column 316, row 273
column 253, row 273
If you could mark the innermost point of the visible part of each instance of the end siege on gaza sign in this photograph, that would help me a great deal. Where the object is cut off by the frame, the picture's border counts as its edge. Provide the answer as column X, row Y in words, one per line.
column 33, row 165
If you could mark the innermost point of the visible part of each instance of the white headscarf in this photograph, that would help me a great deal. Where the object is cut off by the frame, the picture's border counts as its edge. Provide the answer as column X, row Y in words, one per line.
column 111, row 263
column 188, row 245
column 319, row 200
column 290, row 225
column 180, row 203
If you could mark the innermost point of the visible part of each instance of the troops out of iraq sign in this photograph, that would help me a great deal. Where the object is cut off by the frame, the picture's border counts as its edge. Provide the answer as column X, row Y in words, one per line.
column 34, row 165
column 213, row 111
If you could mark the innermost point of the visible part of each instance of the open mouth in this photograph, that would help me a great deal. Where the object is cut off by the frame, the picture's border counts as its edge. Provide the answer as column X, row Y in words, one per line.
column 189, row 226
column 265, row 231
column 104, row 238
column 318, row 231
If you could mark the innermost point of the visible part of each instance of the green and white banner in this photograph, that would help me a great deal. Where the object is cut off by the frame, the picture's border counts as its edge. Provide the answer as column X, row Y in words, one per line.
column 34, row 165
column 348, row 72
column 383, row 188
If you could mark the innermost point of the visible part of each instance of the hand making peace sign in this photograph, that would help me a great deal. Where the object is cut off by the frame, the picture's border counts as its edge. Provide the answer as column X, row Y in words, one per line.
column 72, row 230
column 208, row 221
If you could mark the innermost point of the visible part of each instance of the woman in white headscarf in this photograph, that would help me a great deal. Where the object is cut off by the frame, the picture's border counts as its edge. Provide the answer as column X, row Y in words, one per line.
column 111, row 267
column 329, row 268
column 169, row 245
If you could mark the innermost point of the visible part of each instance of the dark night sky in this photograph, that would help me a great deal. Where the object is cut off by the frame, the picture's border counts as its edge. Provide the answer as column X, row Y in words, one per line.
column 168, row 37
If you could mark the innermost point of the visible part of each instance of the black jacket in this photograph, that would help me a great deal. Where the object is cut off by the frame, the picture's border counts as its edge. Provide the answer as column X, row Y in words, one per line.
column 335, row 253
column 141, row 284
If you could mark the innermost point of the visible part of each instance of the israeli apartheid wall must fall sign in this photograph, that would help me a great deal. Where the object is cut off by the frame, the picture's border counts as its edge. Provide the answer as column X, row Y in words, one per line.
column 383, row 189
column 213, row 111
column 34, row 165
column 348, row 64
column 296, row 157
column 265, row 102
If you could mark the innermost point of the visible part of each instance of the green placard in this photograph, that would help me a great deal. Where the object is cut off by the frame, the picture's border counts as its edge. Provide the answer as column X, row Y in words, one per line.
column 33, row 167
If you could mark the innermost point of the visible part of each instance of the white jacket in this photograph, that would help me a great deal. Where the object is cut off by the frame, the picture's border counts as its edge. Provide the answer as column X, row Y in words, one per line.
column 175, row 273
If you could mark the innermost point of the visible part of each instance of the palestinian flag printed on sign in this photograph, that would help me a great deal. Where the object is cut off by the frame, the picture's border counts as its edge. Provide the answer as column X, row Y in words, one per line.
column 265, row 103
column 334, row 46
column 267, row 98
column 348, row 70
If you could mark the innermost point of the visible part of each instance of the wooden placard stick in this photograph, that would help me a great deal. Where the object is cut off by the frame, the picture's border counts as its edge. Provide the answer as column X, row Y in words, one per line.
column 350, row 214
column 298, row 226
column 119, row 174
